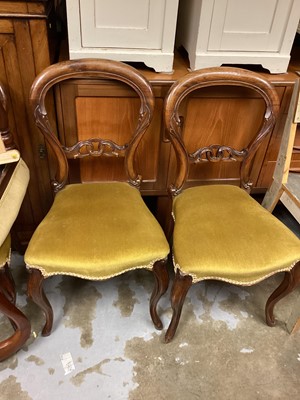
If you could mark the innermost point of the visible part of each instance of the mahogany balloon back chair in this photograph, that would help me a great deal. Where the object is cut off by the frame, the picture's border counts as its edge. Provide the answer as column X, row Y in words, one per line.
column 14, row 178
column 220, row 232
column 97, row 230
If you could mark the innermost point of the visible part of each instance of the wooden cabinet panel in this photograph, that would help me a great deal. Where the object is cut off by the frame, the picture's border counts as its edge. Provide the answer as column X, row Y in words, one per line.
column 108, row 118
column 24, row 53
column 269, row 161
column 295, row 162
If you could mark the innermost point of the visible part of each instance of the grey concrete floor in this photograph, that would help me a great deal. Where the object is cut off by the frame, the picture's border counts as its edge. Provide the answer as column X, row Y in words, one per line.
column 222, row 350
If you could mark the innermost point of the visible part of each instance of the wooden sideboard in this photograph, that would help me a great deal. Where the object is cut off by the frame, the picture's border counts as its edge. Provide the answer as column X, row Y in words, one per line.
column 26, row 44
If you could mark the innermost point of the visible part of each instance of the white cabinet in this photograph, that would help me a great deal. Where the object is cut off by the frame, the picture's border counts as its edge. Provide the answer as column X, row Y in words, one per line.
column 124, row 30
column 238, row 32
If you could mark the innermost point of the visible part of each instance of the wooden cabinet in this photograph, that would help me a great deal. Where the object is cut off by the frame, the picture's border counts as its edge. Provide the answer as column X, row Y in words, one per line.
column 24, row 52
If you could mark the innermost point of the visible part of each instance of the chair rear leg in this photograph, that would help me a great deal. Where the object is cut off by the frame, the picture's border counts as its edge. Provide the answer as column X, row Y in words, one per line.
column 161, row 284
column 21, row 325
column 180, row 287
column 7, row 287
column 290, row 281
column 36, row 292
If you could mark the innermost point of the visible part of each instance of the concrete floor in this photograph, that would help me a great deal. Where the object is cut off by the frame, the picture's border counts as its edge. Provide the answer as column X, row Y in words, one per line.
column 222, row 350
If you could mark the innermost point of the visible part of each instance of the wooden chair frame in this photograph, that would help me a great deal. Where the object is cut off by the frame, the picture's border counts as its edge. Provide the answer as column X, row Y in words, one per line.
column 215, row 153
column 94, row 147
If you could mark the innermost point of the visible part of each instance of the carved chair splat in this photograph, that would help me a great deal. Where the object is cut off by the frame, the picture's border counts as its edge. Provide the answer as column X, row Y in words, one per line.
column 220, row 232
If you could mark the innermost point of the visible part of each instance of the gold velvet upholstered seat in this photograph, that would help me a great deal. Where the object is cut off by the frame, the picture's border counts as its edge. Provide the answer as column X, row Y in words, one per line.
column 220, row 232
column 14, row 177
column 240, row 242
column 114, row 240
column 96, row 230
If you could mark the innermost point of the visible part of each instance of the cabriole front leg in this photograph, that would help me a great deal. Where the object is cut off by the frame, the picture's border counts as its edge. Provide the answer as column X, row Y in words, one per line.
column 290, row 281
column 161, row 284
column 36, row 292
column 181, row 286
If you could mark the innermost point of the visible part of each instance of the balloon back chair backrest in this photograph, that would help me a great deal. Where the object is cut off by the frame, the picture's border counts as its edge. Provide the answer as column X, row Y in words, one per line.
column 98, row 70
column 217, row 77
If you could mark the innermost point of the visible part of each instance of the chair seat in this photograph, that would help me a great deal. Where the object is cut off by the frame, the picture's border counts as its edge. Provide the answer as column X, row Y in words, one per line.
column 222, row 233
column 96, row 231
column 5, row 251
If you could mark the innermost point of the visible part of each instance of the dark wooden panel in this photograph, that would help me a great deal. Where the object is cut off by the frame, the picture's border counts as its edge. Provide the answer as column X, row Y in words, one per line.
column 23, row 53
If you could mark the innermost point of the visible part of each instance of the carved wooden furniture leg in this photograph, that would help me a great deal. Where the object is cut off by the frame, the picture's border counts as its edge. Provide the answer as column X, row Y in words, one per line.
column 160, row 287
column 180, row 287
column 7, row 287
column 36, row 292
column 290, row 281
column 18, row 320
column 22, row 332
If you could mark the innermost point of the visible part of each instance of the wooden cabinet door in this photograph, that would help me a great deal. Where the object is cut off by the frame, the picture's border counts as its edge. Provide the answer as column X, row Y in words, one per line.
column 108, row 110
column 23, row 54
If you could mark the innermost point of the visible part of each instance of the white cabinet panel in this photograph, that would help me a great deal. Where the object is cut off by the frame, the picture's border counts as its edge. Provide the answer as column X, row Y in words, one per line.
column 216, row 32
column 124, row 30
column 243, row 25
column 119, row 23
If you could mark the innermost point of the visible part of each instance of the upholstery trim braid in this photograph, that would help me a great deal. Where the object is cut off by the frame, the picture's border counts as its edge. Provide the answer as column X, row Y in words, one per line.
column 235, row 282
column 93, row 278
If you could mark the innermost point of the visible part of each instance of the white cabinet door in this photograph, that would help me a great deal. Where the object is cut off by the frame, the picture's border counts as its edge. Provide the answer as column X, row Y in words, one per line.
column 249, row 25
column 122, row 24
